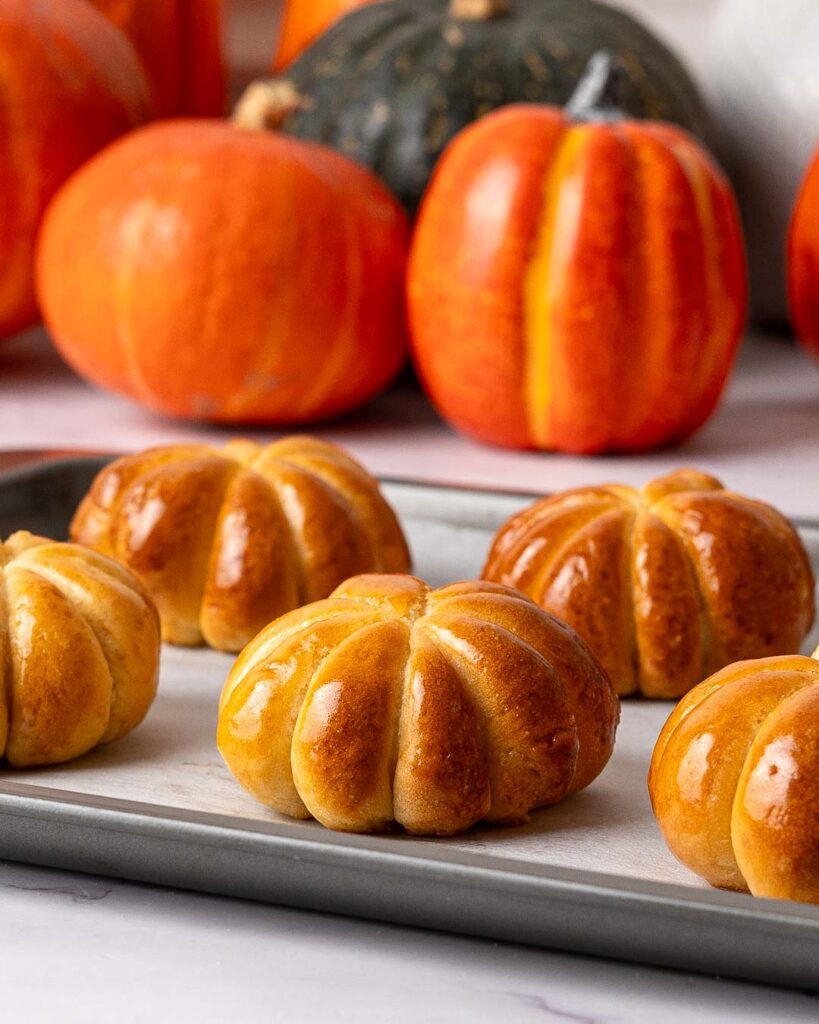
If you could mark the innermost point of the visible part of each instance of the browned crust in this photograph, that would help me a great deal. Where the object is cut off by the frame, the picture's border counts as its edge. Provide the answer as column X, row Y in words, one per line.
column 733, row 778
column 667, row 584
column 433, row 709
column 226, row 540
column 80, row 651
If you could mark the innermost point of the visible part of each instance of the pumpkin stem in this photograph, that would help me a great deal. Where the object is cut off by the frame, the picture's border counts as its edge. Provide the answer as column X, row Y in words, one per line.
column 598, row 96
column 478, row 10
column 267, row 105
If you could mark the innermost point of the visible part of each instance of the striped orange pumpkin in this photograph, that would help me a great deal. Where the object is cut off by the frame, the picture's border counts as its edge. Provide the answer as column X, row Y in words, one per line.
column 577, row 287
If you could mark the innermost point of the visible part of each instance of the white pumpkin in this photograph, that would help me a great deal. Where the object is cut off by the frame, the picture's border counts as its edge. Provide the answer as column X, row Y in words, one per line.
column 762, row 84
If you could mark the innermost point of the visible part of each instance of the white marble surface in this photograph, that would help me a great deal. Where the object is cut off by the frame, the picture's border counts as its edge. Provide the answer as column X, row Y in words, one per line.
column 84, row 950
column 81, row 950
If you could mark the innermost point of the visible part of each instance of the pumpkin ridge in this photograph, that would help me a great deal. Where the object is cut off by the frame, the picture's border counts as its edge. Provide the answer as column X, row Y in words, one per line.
column 268, row 362
column 212, row 586
column 701, row 190
column 798, row 706
column 298, row 547
column 439, row 629
column 121, row 301
column 635, row 396
column 722, row 248
column 242, row 689
column 254, row 660
column 341, row 362
column 710, row 641
column 230, row 230
column 350, row 758
column 464, row 670
column 67, row 588
column 539, row 288
column 185, row 466
column 74, row 613
column 351, row 505
column 537, row 587
column 628, row 555
column 772, row 712
column 541, row 590
column 420, row 636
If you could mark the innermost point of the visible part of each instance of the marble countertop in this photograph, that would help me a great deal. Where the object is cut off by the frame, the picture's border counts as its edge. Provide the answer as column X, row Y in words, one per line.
column 81, row 950
column 84, row 949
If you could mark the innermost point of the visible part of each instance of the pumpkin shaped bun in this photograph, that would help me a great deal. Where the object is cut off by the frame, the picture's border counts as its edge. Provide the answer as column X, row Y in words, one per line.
column 667, row 583
column 435, row 709
column 228, row 539
column 734, row 778
column 80, row 651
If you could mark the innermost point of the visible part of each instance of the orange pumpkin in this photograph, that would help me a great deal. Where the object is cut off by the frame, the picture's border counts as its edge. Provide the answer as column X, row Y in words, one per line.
column 576, row 286
column 180, row 45
column 71, row 84
column 224, row 275
column 803, row 262
column 305, row 20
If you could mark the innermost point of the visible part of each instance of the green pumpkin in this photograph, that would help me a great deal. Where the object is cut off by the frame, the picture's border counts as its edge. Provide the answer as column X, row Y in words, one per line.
column 391, row 84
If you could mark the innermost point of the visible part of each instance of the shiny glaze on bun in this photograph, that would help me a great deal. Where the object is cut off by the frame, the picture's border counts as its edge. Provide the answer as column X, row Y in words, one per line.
column 228, row 539
column 734, row 779
column 668, row 583
column 80, row 651
column 435, row 709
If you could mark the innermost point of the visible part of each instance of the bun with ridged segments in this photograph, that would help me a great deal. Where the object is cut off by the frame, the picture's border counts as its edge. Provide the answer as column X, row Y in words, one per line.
column 227, row 539
column 390, row 702
column 79, row 646
column 734, row 778
column 668, row 583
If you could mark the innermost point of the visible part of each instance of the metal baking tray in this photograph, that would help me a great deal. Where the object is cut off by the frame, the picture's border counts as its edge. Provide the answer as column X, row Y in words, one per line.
column 591, row 875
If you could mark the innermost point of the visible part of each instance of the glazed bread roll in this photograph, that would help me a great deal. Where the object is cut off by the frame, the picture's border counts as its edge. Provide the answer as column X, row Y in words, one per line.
column 228, row 539
column 80, row 651
column 666, row 584
column 734, row 778
column 436, row 709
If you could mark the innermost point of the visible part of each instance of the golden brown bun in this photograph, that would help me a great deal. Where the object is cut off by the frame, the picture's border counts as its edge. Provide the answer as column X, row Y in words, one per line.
column 734, row 779
column 666, row 584
column 431, row 708
column 80, row 650
column 228, row 539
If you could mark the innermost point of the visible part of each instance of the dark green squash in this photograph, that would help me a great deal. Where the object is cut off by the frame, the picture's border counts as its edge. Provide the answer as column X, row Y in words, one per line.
column 391, row 84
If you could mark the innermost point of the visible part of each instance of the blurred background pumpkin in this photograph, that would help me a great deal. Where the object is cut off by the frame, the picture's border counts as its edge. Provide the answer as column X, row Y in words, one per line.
column 224, row 275
column 180, row 45
column 71, row 84
column 303, row 22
